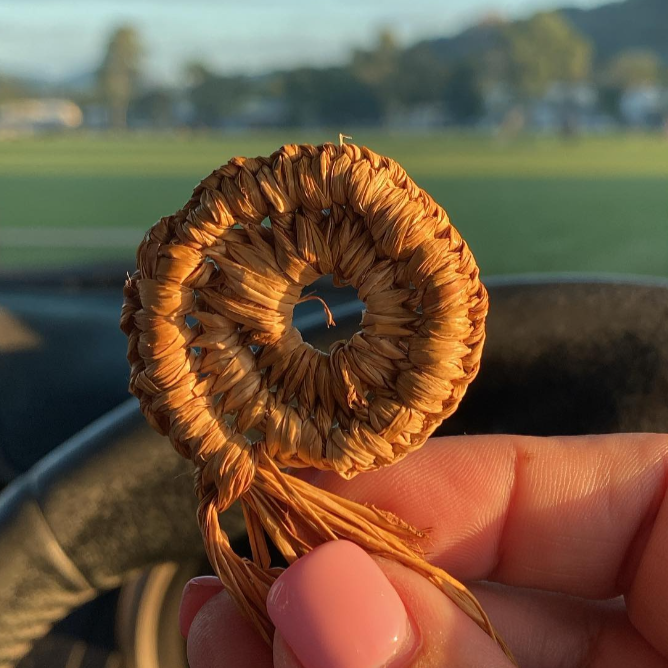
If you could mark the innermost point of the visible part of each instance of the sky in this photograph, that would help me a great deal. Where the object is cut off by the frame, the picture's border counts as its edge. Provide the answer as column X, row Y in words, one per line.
column 57, row 39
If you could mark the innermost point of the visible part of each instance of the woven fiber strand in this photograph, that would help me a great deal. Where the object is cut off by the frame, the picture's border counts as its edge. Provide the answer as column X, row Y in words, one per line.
column 218, row 366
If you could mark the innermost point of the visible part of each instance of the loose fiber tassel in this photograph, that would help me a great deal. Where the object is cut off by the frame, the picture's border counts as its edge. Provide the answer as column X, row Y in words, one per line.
column 297, row 517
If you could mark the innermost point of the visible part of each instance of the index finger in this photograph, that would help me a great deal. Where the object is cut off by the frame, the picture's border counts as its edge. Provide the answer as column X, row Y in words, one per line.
column 585, row 516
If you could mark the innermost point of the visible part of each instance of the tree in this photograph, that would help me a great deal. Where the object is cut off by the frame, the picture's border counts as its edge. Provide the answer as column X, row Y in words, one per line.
column 333, row 97
column 420, row 76
column 378, row 67
column 119, row 73
column 12, row 89
column 462, row 94
column 400, row 78
column 155, row 107
column 542, row 50
column 633, row 68
column 215, row 98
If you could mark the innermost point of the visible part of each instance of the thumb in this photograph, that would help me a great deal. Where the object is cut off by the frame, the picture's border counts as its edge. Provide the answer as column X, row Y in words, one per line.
column 339, row 608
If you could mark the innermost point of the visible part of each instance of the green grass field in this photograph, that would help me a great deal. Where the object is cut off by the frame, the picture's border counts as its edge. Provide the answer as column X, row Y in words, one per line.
column 531, row 205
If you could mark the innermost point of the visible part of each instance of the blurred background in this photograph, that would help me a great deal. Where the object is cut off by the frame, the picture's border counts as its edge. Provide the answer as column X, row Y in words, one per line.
column 541, row 128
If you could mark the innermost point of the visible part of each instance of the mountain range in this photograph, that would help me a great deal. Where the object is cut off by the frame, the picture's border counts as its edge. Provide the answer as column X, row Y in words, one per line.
column 612, row 28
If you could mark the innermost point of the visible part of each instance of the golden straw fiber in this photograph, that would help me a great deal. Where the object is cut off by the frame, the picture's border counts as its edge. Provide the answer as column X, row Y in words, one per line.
column 218, row 365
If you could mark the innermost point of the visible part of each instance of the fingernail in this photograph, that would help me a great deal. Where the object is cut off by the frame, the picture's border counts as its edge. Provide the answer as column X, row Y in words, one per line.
column 336, row 609
column 195, row 594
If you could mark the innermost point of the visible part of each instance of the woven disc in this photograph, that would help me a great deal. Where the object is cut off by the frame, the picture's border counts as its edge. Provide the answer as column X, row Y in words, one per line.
column 216, row 360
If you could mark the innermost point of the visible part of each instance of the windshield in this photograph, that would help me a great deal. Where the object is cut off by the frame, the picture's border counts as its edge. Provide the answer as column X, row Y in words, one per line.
column 544, row 134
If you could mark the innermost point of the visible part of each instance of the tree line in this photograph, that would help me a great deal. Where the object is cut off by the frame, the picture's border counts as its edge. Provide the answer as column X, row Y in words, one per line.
column 522, row 59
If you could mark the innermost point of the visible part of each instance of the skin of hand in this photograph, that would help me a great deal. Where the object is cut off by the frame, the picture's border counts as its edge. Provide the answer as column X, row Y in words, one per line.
column 565, row 538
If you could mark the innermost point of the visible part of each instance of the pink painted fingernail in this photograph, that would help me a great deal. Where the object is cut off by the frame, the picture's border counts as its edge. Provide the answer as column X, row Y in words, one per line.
column 195, row 594
column 336, row 609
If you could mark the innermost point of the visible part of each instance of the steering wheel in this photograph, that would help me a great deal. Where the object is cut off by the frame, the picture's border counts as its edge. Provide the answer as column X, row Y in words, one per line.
column 567, row 356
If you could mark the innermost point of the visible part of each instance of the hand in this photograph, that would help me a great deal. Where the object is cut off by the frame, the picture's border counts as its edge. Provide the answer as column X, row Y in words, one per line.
column 570, row 535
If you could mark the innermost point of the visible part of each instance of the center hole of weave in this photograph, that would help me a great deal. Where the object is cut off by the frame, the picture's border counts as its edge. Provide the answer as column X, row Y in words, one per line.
column 310, row 317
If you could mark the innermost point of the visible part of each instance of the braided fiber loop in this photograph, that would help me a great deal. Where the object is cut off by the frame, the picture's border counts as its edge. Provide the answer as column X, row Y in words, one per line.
column 218, row 365
column 333, row 210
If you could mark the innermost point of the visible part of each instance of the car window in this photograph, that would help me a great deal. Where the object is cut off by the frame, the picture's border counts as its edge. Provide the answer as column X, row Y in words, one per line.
column 542, row 131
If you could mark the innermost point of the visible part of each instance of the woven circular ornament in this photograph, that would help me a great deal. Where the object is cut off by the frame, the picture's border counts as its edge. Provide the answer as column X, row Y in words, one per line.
column 217, row 363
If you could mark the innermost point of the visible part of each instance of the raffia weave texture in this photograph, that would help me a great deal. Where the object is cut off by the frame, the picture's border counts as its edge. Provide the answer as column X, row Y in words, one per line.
column 218, row 365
